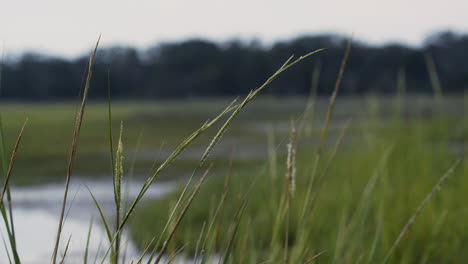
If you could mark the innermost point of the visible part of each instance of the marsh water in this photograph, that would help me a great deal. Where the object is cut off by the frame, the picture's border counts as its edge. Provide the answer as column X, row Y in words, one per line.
column 36, row 213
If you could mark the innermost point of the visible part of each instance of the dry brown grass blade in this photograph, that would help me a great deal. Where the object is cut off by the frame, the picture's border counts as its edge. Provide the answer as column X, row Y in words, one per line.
column 71, row 158
column 334, row 95
column 12, row 161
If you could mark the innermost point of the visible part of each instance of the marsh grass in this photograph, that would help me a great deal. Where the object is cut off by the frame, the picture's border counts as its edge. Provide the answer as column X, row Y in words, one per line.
column 351, row 202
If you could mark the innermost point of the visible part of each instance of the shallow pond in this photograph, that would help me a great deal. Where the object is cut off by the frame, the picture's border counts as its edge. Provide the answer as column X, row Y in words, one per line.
column 36, row 211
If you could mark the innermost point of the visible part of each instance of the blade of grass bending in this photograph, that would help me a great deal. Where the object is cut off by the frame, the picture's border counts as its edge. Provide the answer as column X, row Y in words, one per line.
column 334, row 95
column 221, row 131
column 76, row 133
column 247, row 99
column 181, row 216
column 288, row 64
column 85, row 258
column 423, row 204
column 204, row 127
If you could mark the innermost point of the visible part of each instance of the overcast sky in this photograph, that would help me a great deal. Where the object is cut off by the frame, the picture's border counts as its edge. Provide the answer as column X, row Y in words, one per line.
column 69, row 28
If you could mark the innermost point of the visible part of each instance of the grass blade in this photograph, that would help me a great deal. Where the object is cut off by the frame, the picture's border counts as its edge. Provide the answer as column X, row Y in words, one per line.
column 76, row 133
column 334, row 95
column 88, row 238
column 5, row 188
column 408, row 224
column 103, row 219
column 12, row 161
column 181, row 216
column 66, row 250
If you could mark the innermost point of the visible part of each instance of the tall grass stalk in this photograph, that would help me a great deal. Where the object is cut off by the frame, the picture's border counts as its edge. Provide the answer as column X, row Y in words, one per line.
column 76, row 133
column 331, row 105
column 118, row 192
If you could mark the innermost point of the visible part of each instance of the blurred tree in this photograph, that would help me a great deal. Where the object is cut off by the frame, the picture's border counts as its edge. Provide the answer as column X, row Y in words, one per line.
column 200, row 67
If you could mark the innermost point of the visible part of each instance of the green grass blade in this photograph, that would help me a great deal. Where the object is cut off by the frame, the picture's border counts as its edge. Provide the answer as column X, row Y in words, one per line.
column 88, row 238
column 104, row 221
column 423, row 204
column 6, row 189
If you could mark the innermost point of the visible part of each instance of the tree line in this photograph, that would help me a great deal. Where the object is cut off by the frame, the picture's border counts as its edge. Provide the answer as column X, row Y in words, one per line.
column 198, row 67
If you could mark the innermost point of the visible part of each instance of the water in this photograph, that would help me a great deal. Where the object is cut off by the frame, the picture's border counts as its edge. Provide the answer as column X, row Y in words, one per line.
column 37, row 209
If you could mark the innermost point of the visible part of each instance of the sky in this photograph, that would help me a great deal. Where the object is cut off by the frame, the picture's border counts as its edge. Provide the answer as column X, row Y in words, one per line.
column 69, row 28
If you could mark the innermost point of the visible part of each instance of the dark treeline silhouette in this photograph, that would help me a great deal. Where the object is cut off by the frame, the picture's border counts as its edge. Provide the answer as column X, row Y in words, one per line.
column 204, row 68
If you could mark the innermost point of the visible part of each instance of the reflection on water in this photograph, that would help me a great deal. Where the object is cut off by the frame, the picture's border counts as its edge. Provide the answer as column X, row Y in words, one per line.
column 36, row 213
